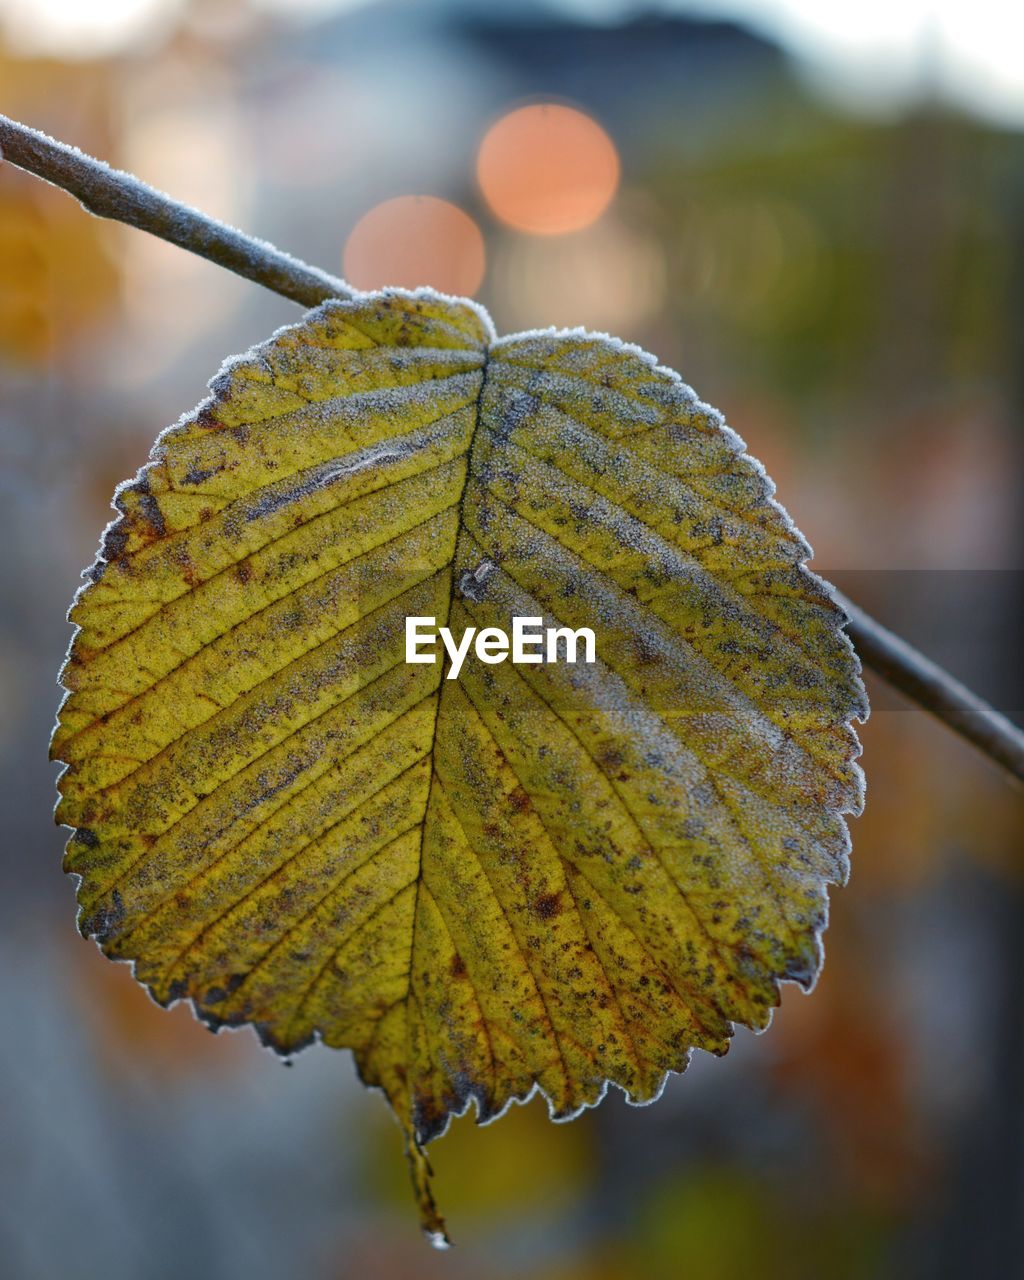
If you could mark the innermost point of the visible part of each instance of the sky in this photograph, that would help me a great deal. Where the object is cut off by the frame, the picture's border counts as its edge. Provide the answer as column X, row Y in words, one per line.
column 873, row 55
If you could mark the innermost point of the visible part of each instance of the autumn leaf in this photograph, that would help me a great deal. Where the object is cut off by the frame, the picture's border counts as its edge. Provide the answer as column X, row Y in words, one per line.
column 552, row 875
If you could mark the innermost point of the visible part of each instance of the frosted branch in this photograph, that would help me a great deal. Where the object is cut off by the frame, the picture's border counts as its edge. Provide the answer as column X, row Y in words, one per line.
column 111, row 193
column 934, row 689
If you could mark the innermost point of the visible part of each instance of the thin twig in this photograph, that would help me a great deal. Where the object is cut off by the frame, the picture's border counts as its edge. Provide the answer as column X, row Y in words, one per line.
column 934, row 689
column 110, row 193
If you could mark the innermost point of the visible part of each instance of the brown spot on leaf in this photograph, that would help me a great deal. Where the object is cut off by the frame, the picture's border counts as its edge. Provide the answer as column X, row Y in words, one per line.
column 114, row 540
column 611, row 759
column 197, row 475
column 547, row 905
column 427, row 1116
column 188, row 568
column 519, row 800
column 205, row 418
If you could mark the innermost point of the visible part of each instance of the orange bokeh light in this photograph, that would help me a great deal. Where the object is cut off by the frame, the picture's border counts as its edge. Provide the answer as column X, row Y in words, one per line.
column 547, row 169
column 416, row 240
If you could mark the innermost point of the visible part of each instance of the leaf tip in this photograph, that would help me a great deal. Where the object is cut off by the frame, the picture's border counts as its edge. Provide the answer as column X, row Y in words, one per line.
column 437, row 1239
column 431, row 1222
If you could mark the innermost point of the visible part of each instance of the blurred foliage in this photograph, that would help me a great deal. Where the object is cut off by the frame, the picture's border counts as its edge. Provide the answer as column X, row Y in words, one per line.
column 59, row 279
column 719, row 1224
column 809, row 261
column 500, row 1174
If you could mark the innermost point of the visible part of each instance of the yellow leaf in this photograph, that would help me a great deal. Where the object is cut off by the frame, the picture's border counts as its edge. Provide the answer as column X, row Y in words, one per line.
column 551, row 875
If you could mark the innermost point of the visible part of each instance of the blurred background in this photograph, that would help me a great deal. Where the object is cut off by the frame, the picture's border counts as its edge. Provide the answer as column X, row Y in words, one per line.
column 815, row 213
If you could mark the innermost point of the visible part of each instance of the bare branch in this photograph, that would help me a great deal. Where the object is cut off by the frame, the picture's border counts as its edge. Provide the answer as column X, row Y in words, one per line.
column 935, row 690
column 110, row 193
